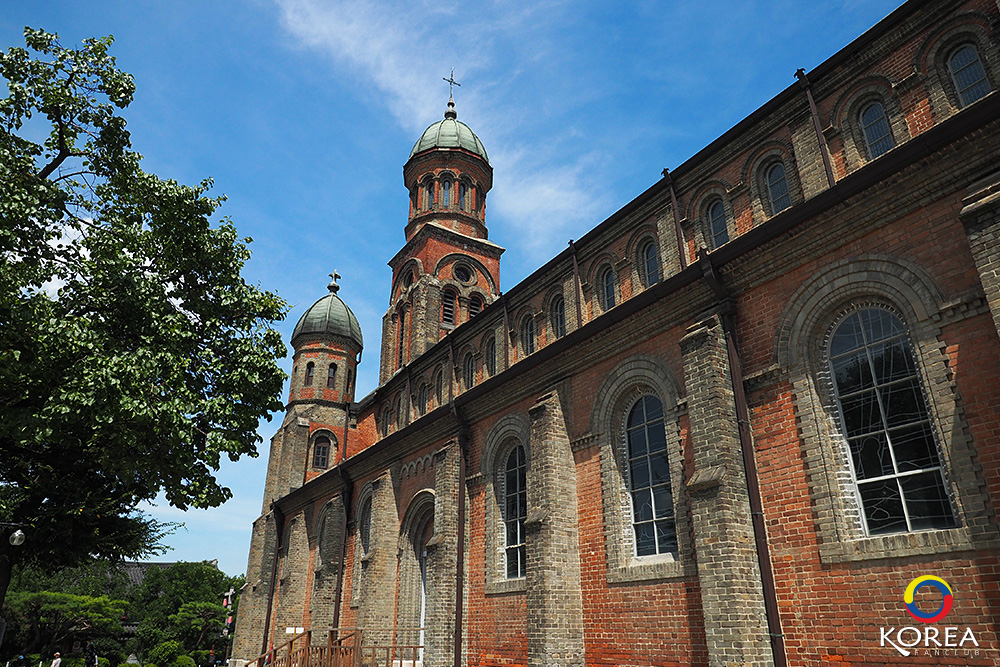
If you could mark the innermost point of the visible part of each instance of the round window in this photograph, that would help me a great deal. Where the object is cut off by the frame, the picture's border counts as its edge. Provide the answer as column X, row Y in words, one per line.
column 462, row 273
column 408, row 279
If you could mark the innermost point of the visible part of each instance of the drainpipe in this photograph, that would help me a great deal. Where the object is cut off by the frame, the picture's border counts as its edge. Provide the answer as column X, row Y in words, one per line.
column 749, row 463
column 463, row 447
column 279, row 525
column 681, row 253
column 345, row 495
column 576, row 282
column 800, row 74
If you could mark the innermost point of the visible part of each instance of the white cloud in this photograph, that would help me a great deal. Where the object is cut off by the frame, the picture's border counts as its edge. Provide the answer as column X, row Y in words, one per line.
column 502, row 48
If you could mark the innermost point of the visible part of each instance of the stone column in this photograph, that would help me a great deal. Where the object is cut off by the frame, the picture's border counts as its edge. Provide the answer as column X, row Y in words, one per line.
column 250, row 620
column 378, row 567
column 442, row 560
column 554, row 596
column 733, row 604
column 981, row 217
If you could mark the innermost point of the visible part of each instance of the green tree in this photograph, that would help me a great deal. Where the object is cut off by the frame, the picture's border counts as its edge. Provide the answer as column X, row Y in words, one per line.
column 44, row 620
column 195, row 622
column 133, row 355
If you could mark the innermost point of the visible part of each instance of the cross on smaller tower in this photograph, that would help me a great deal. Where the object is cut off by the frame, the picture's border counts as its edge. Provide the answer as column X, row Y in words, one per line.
column 333, row 286
column 451, row 83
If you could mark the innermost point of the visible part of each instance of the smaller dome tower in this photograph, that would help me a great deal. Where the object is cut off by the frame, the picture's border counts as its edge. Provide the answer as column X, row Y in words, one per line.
column 327, row 343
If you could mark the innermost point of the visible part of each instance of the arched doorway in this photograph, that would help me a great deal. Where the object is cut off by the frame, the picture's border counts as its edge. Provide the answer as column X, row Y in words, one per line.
column 414, row 592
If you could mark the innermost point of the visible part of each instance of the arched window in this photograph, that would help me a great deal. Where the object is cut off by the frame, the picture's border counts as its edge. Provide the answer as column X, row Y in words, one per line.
column 886, row 423
column 321, row 452
column 717, row 223
column 475, row 305
column 557, row 317
column 402, row 338
column 448, row 297
column 875, row 127
column 515, row 510
column 650, row 264
column 606, row 285
column 777, row 188
column 528, row 334
column 469, row 370
column 331, row 376
column 462, row 193
column 365, row 526
column 422, row 398
column 429, row 195
column 439, row 388
column 490, row 356
column 386, row 420
column 310, row 372
column 968, row 74
column 649, row 479
column 446, row 194
column 397, row 413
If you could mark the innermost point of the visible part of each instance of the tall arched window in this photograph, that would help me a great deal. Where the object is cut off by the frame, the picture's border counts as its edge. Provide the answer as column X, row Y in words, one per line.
column 439, row 388
column 875, row 127
column 422, row 398
column 448, row 297
column 528, row 334
column 365, row 526
column 777, row 188
column 402, row 337
column 429, row 195
column 446, row 194
column 650, row 264
column 310, row 373
column 515, row 510
column 607, row 288
column 649, row 479
column 386, row 424
column 462, row 193
column 331, row 376
column 321, row 452
column 968, row 74
column 490, row 356
column 886, row 423
column 557, row 317
column 717, row 224
column 469, row 370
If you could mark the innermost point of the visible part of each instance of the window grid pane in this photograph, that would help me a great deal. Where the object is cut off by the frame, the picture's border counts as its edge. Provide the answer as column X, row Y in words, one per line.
column 717, row 222
column 559, row 317
column 875, row 126
column 490, row 357
column 884, row 416
column 777, row 189
column 651, row 265
column 969, row 75
column 608, row 288
column 528, row 335
column 649, row 480
column 515, row 508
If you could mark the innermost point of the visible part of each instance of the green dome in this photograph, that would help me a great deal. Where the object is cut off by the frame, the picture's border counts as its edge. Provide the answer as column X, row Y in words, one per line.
column 330, row 315
column 450, row 133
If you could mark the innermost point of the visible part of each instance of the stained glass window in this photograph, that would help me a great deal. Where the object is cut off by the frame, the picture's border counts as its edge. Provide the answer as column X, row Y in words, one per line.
column 649, row 479
column 886, row 423
column 515, row 510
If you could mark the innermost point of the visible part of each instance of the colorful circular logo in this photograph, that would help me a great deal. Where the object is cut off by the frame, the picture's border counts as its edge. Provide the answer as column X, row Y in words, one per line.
column 934, row 582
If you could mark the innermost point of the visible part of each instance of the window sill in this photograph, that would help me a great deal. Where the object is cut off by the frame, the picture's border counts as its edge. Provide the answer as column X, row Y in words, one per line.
column 502, row 586
column 644, row 568
column 898, row 545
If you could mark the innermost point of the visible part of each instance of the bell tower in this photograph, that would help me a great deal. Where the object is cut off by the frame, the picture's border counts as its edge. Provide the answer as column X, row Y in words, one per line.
column 448, row 270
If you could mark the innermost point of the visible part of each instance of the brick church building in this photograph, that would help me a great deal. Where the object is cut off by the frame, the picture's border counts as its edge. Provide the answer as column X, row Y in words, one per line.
column 752, row 418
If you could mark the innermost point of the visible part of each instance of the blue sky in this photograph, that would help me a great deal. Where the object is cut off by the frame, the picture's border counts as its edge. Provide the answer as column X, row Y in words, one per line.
column 304, row 111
